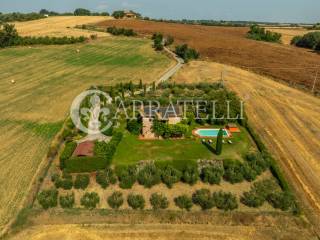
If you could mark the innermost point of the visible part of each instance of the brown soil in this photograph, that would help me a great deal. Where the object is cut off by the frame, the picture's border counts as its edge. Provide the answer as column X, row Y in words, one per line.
column 229, row 45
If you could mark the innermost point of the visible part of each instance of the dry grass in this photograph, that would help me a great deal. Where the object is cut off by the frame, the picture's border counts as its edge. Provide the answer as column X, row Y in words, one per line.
column 287, row 119
column 59, row 26
column 47, row 79
column 289, row 33
column 159, row 232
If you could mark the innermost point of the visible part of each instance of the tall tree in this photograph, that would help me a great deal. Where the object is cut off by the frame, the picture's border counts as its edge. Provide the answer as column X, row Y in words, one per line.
column 154, row 86
column 140, row 84
column 219, row 142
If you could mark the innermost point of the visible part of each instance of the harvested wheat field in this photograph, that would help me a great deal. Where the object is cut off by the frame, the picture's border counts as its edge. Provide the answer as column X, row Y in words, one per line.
column 289, row 33
column 157, row 231
column 59, row 26
column 46, row 81
column 229, row 45
column 287, row 119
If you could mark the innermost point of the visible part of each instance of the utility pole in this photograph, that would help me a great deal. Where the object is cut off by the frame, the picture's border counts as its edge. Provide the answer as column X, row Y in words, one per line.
column 315, row 81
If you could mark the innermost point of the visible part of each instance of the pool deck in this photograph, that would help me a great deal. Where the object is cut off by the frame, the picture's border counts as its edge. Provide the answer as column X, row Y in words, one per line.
column 194, row 132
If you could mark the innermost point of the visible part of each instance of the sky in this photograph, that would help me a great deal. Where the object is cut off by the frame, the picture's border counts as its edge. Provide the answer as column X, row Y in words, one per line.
column 293, row 11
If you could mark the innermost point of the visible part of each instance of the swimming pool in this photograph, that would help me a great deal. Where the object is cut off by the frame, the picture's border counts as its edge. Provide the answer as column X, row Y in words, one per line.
column 210, row 132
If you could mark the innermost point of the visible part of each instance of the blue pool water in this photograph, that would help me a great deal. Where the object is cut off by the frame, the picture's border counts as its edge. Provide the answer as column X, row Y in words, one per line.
column 211, row 132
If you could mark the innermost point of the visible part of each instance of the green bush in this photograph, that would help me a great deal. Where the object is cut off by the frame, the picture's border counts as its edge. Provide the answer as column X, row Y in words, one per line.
column 170, row 176
column 212, row 174
column 183, row 202
column 136, row 201
column 203, row 198
column 225, row 201
column 127, row 177
column 257, row 162
column 48, row 198
column 158, row 201
column 190, row 175
column 67, row 201
column 90, row 200
column 252, row 199
column 65, row 182
column 233, row 171
column 82, row 181
column 259, row 192
column 105, row 178
column 186, row 53
column 149, row 176
column 85, row 164
column 260, row 34
column 69, row 148
column 281, row 200
column 134, row 126
column 121, row 31
column 309, row 40
column 115, row 200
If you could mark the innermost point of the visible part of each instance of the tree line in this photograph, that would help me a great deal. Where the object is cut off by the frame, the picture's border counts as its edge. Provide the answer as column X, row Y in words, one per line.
column 310, row 40
column 260, row 34
column 10, row 37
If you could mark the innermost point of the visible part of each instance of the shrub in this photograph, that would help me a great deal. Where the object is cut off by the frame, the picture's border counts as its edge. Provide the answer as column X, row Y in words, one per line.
column 85, row 164
column 82, row 181
column 67, row 201
column 309, row 40
column 127, row 177
column 257, row 162
column 252, row 199
column 115, row 200
column 136, row 201
column 48, row 198
column 183, row 202
column 169, row 41
column 225, row 201
column 259, row 192
column 67, row 153
column 281, row 200
column 212, row 174
column 186, row 53
column 121, row 31
column 190, row 175
column 65, row 182
column 170, row 176
column 90, row 200
column 233, row 171
column 158, row 41
column 105, row 178
column 260, row 34
column 149, row 176
column 158, row 201
column 203, row 198
column 134, row 126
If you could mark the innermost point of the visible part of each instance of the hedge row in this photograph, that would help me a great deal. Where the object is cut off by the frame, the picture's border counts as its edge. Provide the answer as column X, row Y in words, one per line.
column 274, row 168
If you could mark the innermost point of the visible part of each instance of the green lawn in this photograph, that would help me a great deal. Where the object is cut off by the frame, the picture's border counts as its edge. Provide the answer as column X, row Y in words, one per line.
column 132, row 150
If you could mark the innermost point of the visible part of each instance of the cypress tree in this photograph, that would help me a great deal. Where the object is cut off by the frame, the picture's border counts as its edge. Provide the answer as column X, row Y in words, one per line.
column 140, row 84
column 154, row 86
column 145, row 90
column 219, row 142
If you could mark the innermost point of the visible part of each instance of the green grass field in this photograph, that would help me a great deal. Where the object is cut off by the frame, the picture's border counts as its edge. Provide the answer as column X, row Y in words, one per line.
column 132, row 150
column 47, row 78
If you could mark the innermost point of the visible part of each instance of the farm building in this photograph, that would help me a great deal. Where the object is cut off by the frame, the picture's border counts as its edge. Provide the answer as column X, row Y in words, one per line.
column 170, row 114
column 129, row 14
column 84, row 149
column 232, row 127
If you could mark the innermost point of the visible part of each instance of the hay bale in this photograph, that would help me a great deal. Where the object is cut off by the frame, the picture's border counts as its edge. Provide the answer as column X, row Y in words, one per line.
column 13, row 81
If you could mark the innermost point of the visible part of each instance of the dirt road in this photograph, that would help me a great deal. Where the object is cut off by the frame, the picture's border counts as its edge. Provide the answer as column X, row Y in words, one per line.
column 287, row 119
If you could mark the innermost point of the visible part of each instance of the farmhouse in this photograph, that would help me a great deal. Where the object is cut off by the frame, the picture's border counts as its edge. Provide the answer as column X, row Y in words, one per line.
column 129, row 14
column 171, row 114
column 84, row 149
